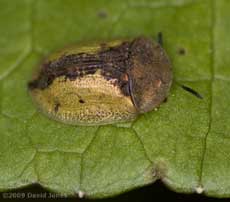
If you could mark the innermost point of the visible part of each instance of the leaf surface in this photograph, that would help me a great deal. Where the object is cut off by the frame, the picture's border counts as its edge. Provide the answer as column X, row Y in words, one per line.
column 185, row 143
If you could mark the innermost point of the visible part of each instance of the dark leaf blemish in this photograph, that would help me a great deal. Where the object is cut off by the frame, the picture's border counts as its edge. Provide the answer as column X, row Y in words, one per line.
column 181, row 51
column 102, row 14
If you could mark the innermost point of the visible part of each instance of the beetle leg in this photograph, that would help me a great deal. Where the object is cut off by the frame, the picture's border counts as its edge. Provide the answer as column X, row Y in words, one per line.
column 160, row 38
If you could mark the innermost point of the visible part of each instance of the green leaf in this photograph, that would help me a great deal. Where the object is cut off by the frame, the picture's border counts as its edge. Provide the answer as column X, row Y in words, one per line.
column 185, row 143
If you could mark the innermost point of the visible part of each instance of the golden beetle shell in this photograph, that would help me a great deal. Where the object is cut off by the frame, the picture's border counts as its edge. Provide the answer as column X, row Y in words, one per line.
column 102, row 83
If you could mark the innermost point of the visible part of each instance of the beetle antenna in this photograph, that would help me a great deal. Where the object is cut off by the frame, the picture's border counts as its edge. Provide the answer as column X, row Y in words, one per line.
column 160, row 38
column 190, row 90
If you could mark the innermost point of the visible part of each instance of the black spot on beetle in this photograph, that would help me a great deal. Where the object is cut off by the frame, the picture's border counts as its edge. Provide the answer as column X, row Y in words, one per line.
column 56, row 107
column 81, row 101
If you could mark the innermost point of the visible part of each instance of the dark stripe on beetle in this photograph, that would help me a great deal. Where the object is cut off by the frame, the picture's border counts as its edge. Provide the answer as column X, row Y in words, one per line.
column 112, row 62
